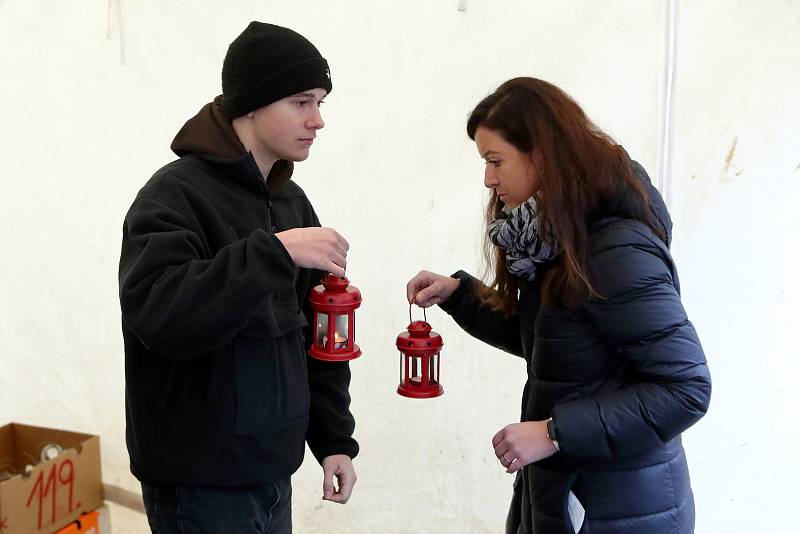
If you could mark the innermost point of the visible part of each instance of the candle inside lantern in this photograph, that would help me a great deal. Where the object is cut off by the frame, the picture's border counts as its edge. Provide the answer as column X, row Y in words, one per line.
column 339, row 341
column 417, row 380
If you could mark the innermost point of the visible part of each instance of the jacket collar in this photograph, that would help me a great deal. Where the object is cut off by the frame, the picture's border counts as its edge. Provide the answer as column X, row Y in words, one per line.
column 626, row 204
column 210, row 135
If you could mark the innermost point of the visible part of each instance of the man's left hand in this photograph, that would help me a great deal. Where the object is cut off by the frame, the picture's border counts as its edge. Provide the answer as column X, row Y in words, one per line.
column 341, row 467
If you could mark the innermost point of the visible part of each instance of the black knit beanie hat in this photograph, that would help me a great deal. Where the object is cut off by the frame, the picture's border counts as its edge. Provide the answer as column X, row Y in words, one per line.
column 266, row 63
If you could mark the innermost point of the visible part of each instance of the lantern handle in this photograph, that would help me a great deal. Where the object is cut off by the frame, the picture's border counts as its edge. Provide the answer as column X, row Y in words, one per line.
column 424, row 315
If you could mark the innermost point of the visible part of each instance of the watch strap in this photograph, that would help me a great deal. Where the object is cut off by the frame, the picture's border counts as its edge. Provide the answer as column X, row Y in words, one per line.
column 551, row 433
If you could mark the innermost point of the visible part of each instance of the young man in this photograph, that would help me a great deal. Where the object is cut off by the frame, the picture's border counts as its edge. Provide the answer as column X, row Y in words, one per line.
column 219, row 252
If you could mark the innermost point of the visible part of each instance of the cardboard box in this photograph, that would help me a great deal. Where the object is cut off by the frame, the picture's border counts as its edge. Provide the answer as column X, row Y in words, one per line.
column 60, row 485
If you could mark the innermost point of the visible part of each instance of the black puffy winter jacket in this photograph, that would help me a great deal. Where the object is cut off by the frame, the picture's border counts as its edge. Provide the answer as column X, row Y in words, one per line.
column 621, row 376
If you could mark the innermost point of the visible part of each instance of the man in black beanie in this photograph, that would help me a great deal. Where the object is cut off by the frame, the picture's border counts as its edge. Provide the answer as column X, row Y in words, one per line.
column 219, row 252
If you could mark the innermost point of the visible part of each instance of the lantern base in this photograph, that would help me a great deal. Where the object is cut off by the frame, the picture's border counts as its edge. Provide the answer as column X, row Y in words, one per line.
column 417, row 392
column 339, row 356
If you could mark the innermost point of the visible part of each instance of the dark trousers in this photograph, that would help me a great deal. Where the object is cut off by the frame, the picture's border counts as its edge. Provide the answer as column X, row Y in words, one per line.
column 203, row 510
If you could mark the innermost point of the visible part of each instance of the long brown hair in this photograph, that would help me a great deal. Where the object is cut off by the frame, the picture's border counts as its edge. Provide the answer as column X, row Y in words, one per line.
column 582, row 168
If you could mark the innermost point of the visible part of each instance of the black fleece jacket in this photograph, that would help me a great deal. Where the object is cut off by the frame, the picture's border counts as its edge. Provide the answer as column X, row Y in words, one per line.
column 219, row 390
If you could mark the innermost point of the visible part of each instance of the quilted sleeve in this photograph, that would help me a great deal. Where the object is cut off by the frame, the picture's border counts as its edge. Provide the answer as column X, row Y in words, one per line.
column 641, row 318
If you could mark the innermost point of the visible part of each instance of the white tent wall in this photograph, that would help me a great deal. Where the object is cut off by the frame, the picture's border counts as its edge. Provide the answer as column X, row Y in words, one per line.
column 93, row 92
column 736, row 184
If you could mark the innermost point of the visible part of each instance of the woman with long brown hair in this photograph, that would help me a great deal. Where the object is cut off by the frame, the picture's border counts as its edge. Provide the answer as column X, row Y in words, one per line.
column 584, row 289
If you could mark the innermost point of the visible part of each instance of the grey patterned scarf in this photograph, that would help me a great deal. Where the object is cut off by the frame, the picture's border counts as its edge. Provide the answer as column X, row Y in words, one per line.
column 517, row 232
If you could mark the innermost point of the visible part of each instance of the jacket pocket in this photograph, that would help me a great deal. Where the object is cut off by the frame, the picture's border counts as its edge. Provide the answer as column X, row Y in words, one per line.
column 278, row 315
column 271, row 381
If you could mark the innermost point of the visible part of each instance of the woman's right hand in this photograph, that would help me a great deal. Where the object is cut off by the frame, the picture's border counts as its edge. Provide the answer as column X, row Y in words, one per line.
column 427, row 289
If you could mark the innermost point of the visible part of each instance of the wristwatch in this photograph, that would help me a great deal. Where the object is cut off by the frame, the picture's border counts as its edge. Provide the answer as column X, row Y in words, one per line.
column 551, row 433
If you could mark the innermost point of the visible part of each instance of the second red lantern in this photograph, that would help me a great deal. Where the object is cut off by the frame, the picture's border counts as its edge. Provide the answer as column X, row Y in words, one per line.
column 420, row 349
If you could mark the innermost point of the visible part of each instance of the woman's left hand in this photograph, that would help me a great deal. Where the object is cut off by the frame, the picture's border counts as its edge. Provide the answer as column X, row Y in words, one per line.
column 520, row 444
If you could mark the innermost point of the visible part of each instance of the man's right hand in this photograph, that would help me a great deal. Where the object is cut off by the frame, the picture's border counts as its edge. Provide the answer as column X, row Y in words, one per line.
column 316, row 248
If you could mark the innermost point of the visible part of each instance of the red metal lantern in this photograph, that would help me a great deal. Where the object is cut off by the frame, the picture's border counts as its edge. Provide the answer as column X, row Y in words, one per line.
column 420, row 349
column 334, row 303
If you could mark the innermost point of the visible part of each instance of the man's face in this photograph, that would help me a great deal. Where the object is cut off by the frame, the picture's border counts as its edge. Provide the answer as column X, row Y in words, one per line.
column 286, row 128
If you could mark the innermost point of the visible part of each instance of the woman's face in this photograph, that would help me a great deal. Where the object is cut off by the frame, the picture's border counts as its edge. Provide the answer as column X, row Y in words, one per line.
column 512, row 174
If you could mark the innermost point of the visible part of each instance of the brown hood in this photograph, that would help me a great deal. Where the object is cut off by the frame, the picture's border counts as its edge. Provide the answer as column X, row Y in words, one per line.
column 210, row 133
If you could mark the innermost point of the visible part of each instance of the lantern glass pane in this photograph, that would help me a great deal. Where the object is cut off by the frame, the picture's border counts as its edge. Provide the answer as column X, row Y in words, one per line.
column 342, row 332
column 433, row 369
column 322, row 329
column 415, row 370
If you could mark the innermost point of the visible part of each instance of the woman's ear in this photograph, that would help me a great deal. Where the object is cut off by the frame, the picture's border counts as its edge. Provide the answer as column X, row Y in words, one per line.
column 535, row 166
column 537, row 159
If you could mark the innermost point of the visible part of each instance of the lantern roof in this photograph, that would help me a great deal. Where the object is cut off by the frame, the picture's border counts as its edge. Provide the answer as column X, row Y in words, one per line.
column 419, row 328
column 335, row 294
column 419, row 339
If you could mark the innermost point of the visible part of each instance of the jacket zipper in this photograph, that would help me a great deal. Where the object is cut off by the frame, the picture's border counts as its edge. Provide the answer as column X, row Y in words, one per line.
column 269, row 214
